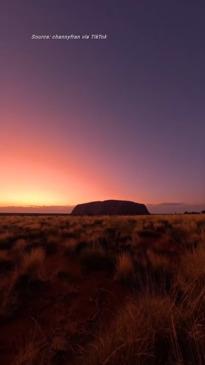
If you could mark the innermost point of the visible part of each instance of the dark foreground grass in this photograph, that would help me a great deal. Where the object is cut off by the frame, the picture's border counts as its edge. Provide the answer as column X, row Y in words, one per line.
column 102, row 290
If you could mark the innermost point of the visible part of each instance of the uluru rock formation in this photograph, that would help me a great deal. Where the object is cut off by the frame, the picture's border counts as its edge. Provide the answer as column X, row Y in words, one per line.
column 110, row 207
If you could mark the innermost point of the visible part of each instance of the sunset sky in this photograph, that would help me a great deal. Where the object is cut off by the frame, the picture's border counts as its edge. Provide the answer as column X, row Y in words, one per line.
column 118, row 118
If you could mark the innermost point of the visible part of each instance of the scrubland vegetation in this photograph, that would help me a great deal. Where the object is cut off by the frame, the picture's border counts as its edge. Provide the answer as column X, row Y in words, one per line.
column 102, row 290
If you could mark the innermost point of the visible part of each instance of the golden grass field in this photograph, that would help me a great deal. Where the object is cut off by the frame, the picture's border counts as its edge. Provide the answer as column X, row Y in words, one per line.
column 102, row 290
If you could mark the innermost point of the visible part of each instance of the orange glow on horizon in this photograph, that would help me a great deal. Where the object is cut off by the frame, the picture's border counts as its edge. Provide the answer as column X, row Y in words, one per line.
column 36, row 170
column 40, row 175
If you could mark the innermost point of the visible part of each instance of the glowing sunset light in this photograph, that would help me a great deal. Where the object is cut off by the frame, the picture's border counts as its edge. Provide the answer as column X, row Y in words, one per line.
column 27, row 182
column 119, row 118
column 32, row 198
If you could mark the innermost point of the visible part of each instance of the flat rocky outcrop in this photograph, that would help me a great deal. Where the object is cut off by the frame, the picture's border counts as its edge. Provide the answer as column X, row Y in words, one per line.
column 110, row 207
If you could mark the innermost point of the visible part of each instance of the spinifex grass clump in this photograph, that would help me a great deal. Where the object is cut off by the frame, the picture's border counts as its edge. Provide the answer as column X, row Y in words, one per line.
column 125, row 270
column 142, row 328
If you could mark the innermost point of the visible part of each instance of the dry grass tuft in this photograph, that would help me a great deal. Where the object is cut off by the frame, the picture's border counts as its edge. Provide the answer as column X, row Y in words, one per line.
column 139, row 328
column 32, row 352
column 191, row 272
column 125, row 271
column 32, row 262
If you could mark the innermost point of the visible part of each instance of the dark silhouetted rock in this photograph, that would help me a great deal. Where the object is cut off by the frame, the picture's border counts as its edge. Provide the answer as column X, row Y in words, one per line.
column 110, row 207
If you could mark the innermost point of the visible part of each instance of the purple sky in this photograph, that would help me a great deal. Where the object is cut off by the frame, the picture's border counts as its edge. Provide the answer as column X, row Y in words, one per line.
column 117, row 118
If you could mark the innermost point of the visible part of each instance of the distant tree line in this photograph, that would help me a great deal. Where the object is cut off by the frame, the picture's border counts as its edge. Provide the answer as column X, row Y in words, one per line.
column 202, row 212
